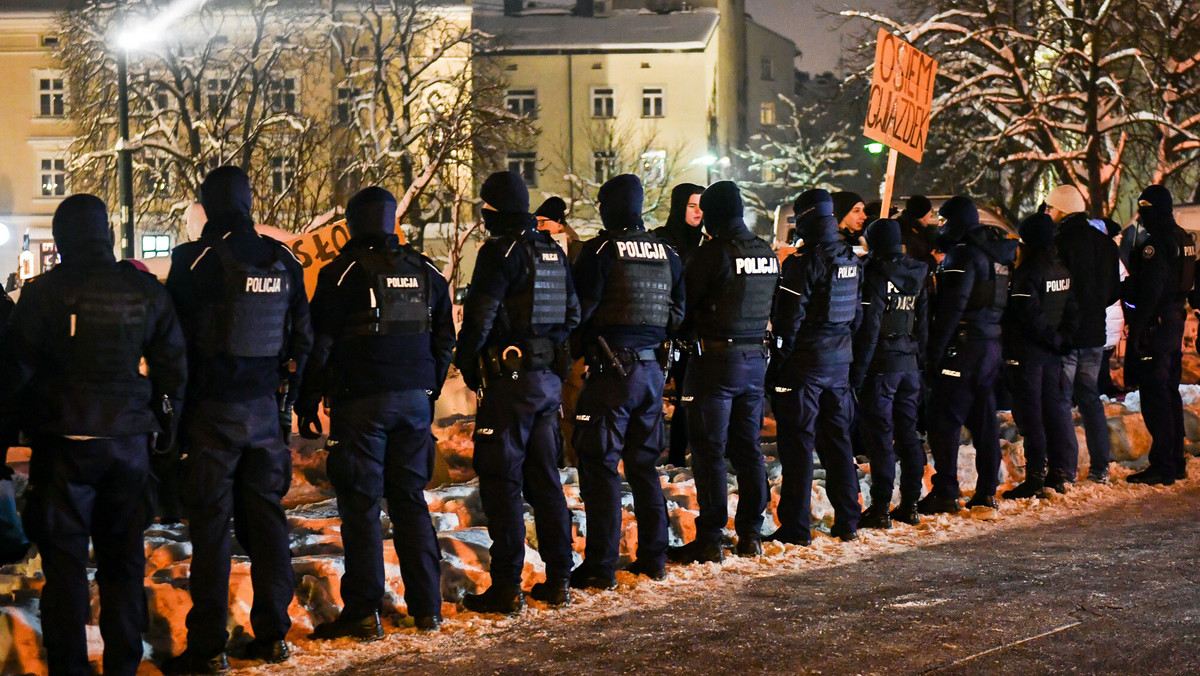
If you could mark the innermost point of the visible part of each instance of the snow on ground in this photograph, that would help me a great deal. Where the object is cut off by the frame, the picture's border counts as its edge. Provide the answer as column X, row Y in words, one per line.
column 459, row 520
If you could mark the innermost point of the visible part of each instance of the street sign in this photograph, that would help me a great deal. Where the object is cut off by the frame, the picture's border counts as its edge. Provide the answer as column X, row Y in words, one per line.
column 900, row 104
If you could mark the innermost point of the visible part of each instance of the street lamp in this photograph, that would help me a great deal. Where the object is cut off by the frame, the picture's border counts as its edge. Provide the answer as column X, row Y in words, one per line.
column 136, row 36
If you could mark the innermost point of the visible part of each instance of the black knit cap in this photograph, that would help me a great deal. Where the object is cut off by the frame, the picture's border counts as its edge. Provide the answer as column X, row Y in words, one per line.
column 917, row 206
column 1037, row 231
column 554, row 209
column 81, row 219
column 721, row 201
column 505, row 192
column 226, row 191
column 620, row 200
column 883, row 236
column 813, row 203
column 371, row 211
column 843, row 203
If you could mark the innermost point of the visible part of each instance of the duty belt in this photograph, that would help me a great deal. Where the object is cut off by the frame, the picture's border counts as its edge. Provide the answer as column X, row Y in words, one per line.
column 535, row 354
column 625, row 356
column 727, row 345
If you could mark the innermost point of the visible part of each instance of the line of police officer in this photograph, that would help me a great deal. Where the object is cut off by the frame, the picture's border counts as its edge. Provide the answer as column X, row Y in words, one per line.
column 100, row 360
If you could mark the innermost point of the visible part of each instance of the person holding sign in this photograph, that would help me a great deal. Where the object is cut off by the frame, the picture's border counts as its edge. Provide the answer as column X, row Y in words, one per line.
column 383, row 340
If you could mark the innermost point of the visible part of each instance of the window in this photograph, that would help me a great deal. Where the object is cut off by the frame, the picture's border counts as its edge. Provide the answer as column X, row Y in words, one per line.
column 768, row 68
column 49, row 40
column 156, row 179
column 219, row 93
column 605, row 164
column 156, row 246
column 283, row 94
column 767, row 114
column 50, row 97
column 346, row 97
column 654, row 167
column 604, row 102
column 522, row 102
column 652, row 101
column 53, row 175
column 283, row 173
column 524, row 164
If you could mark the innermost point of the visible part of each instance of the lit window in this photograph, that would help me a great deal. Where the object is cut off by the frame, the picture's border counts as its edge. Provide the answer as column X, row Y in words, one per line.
column 156, row 246
column 283, row 173
column 522, row 102
column 767, row 114
column 524, row 164
column 53, row 177
column 652, row 102
column 604, row 102
column 50, row 97
column 604, row 163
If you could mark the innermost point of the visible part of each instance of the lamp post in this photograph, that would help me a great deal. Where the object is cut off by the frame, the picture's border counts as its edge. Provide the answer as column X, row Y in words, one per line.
column 124, row 154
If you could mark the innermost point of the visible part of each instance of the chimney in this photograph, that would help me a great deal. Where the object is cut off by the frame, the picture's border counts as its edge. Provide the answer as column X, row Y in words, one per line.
column 513, row 7
column 585, row 7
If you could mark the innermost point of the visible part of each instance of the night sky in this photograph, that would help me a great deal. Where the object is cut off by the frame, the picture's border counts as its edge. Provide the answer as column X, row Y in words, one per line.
column 807, row 23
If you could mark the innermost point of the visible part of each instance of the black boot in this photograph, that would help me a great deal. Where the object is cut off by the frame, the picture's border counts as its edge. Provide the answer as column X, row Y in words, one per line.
column 876, row 516
column 906, row 512
column 748, row 546
column 189, row 662
column 364, row 629
column 428, row 622
column 1031, row 487
column 981, row 500
column 650, row 570
column 505, row 599
column 1150, row 477
column 843, row 532
column 554, row 593
column 696, row 552
column 780, row 536
column 266, row 651
column 937, row 504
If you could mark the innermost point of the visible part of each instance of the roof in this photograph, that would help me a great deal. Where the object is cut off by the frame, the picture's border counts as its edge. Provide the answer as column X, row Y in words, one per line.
column 622, row 30
column 11, row 6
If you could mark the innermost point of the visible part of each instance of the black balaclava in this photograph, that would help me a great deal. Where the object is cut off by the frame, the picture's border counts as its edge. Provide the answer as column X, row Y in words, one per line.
column 1037, row 232
column 814, row 216
column 1156, row 209
column 620, row 200
column 506, row 193
column 371, row 214
column 961, row 216
column 554, row 209
column 81, row 231
column 227, row 199
column 721, row 203
column 883, row 237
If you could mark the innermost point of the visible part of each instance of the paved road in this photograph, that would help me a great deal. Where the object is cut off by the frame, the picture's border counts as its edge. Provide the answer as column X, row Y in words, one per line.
column 1113, row 592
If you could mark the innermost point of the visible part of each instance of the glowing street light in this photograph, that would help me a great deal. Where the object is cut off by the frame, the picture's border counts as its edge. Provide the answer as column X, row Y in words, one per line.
column 875, row 148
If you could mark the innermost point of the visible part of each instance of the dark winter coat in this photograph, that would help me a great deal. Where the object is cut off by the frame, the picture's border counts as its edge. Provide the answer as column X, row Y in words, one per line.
column 877, row 353
column 677, row 234
column 918, row 240
column 709, row 269
column 1094, row 261
column 974, row 257
column 1030, row 335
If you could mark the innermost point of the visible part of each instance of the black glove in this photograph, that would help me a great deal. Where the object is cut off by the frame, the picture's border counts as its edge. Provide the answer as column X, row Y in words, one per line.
column 309, row 422
column 470, row 376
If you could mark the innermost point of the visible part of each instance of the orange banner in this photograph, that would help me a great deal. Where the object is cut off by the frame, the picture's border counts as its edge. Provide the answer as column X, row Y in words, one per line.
column 901, row 96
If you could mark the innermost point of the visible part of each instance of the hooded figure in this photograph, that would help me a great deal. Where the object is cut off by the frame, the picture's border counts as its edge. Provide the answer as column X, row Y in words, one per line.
column 508, row 197
column 889, row 348
column 81, row 231
column 1038, row 324
column 226, row 197
column 380, row 357
column 815, row 219
column 620, row 200
column 678, row 233
column 918, row 236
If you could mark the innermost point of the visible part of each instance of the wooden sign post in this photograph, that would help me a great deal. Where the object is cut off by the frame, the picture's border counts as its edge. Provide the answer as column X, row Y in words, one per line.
column 900, row 104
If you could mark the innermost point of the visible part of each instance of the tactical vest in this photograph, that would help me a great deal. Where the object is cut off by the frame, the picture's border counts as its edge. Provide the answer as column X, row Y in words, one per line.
column 900, row 311
column 107, row 328
column 1055, row 290
column 991, row 292
column 743, row 304
column 250, row 319
column 399, row 295
column 543, row 301
column 836, row 298
column 638, row 290
column 1186, row 266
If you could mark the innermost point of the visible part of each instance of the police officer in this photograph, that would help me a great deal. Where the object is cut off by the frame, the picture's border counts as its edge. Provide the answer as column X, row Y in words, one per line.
column 730, row 280
column 682, row 232
column 1042, row 315
column 964, row 353
column 383, row 341
column 817, row 308
column 889, row 353
column 630, row 288
column 244, row 311
column 1161, row 276
column 519, row 310
column 71, row 381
